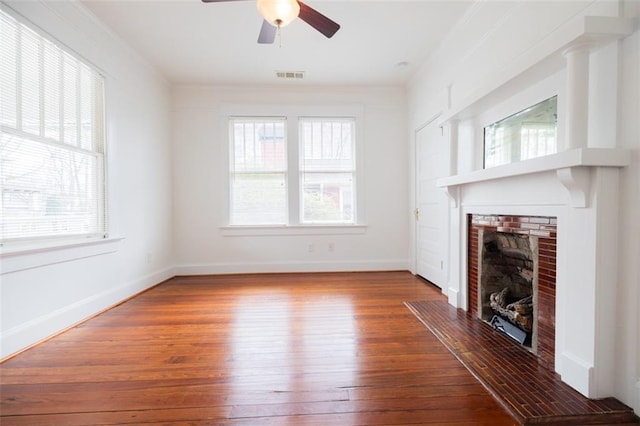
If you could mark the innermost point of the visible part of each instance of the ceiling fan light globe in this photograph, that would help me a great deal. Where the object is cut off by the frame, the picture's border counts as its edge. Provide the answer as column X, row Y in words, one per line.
column 279, row 13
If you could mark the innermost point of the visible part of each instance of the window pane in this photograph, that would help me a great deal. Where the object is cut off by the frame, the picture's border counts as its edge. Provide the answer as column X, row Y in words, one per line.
column 258, row 145
column 258, row 171
column 258, row 199
column 47, row 190
column 327, row 170
column 328, row 198
column 327, row 144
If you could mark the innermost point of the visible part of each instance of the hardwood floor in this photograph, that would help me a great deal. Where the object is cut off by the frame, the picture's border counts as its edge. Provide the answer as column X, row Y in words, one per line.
column 296, row 349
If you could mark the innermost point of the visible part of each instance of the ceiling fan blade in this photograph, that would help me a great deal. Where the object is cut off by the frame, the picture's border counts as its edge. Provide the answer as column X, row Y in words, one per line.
column 218, row 1
column 267, row 33
column 317, row 20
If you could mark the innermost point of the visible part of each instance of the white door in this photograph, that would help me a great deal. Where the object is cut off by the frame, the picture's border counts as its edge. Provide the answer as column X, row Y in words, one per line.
column 432, row 209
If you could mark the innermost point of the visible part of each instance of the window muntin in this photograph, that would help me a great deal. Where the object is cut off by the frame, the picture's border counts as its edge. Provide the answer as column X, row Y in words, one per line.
column 258, row 171
column 327, row 170
column 51, row 139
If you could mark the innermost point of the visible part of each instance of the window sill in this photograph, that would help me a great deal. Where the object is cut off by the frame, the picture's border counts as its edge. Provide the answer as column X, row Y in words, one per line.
column 20, row 257
column 286, row 230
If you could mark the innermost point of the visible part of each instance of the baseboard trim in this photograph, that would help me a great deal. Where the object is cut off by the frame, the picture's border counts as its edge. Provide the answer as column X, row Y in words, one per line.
column 576, row 372
column 275, row 267
column 453, row 296
column 26, row 335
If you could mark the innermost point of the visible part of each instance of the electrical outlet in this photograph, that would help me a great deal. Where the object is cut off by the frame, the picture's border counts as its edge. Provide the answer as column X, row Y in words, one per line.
column 311, row 248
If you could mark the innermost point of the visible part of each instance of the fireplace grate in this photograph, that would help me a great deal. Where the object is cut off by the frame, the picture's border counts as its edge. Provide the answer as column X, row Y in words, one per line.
column 509, row 329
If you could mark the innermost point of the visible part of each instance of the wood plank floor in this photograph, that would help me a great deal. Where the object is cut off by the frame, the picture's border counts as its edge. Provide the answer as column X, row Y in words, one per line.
column 293, row 349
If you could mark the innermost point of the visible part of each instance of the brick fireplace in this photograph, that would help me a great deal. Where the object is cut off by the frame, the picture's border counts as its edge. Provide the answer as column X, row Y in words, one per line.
column 577, row 189
column 579, row 200
column 543, row 230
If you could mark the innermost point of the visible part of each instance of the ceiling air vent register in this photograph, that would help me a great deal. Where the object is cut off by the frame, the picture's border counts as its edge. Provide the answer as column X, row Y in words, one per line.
column 290, row 75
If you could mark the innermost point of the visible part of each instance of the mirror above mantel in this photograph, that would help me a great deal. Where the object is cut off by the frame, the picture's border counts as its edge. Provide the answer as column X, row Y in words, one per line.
column 527, row 134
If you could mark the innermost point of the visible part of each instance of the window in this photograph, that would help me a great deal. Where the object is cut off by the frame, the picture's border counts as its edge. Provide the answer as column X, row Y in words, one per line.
column 258, row 171
column 51, row 139
column 327, row 170
column 292, row 171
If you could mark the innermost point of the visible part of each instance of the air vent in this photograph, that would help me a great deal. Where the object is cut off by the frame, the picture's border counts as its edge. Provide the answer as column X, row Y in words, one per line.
column 291, row 75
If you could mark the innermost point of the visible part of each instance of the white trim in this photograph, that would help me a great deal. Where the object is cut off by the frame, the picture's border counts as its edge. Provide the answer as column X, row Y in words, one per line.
column 38, row 329
column 581, row 157
column 575, row 372
column 19, row 257
column 453, row 296
column 571, row 168
column 297, row 266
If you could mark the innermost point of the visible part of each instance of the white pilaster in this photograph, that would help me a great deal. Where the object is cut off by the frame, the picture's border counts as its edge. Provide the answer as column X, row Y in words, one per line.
column 577, row 112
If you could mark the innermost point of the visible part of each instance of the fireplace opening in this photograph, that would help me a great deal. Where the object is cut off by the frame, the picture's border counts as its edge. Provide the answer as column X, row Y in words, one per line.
column 508, row 282
column 542, row 243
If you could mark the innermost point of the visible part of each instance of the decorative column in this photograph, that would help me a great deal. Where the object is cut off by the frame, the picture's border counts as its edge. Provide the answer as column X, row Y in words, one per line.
column 577, row 109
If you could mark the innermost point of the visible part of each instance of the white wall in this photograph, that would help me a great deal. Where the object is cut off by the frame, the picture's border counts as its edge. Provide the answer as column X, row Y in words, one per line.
column 37, row 301
column 498, row 53
column 200, row 185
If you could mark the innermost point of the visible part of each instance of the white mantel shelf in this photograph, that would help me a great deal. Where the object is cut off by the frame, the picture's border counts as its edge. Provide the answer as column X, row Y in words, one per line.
column 571, row 166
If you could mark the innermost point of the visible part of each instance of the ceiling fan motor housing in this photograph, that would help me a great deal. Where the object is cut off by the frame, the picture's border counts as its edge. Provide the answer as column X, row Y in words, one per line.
column 279, row 13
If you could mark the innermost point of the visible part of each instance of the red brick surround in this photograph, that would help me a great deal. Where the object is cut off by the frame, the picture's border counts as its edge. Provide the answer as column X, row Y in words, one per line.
column 545, row 229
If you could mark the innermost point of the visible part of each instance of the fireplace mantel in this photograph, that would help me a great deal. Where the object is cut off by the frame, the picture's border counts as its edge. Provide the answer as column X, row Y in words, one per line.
column 579, row 186
column 571, row 167
column 587, row 241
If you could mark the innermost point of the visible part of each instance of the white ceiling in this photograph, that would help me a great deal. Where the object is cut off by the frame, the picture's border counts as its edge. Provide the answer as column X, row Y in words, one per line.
column 191, row 42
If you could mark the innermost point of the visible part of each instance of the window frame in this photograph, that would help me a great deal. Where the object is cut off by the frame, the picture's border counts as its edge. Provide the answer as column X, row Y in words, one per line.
column 293, row 113
column 42, row 244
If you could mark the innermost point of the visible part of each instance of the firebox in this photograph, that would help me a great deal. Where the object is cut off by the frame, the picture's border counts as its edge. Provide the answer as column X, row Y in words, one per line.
column 508, row 284
column 512, row 278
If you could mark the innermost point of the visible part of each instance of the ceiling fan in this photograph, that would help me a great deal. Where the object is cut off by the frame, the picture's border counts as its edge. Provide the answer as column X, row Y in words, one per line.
column 278, row 13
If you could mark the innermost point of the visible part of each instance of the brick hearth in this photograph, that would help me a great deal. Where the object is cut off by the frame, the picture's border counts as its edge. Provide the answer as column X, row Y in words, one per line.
column 530, row 392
